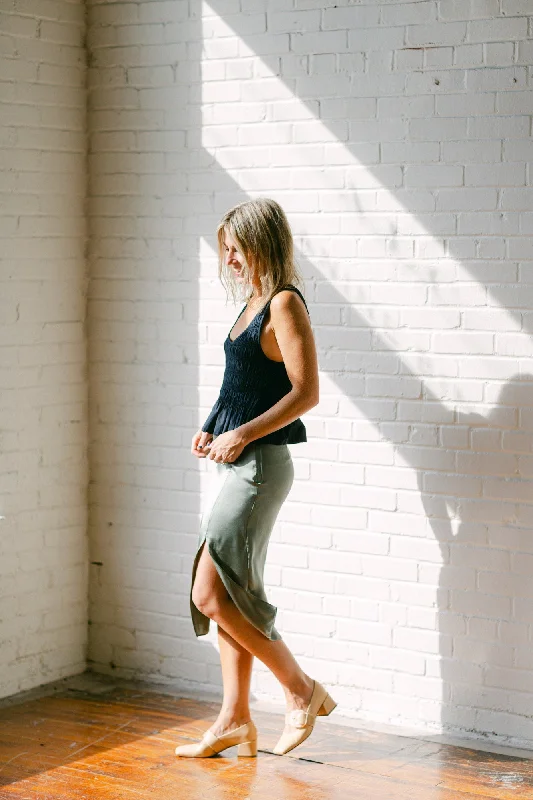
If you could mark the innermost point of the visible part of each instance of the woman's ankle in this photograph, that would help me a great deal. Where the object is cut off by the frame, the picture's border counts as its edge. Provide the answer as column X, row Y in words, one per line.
column 300, row 692
column 233, row 718
column 220, row 728
column 303, row 685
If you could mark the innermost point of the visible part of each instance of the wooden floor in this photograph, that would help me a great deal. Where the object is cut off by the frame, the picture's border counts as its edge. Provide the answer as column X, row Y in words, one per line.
column 120, row 744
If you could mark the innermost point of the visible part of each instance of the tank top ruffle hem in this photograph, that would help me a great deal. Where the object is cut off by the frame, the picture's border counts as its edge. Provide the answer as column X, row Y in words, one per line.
column 252, row 384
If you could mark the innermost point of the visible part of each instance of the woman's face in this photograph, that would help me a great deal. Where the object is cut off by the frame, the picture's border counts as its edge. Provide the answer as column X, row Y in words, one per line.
column 234, row 258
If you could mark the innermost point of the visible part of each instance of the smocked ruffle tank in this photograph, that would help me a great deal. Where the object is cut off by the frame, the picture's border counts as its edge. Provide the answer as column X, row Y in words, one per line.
column 252, row 384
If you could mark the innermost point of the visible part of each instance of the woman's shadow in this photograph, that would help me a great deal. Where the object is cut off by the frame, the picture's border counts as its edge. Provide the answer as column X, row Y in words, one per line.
column 474, row 474
column 481, row 515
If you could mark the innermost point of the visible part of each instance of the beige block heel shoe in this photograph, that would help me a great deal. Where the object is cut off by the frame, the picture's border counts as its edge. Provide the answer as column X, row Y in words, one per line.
column 245, row 736
column 299, row 723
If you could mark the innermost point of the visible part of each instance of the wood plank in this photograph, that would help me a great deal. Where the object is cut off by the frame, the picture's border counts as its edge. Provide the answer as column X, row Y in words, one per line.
column 121, row 745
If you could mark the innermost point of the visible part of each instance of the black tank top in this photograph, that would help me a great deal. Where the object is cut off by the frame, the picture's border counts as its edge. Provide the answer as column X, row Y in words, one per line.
column 252, row 384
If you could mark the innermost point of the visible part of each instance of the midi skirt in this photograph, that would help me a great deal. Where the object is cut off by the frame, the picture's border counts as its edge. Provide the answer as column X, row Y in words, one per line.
column 245, row 498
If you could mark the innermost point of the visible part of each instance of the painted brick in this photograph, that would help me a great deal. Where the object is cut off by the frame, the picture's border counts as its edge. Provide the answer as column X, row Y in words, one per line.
column 43, row 412
column 405, row 175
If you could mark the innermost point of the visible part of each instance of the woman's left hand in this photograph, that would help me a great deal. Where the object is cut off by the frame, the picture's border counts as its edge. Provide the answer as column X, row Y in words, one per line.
column 226, row 447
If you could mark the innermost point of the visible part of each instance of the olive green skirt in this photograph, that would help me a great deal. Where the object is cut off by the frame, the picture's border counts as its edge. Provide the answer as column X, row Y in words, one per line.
column 244, row 502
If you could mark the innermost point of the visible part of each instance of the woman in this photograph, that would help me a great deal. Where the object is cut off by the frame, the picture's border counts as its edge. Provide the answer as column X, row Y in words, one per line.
column 271, row 377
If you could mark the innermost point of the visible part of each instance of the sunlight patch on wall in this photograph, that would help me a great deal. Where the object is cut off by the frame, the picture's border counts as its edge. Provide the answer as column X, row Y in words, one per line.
column 367, row 252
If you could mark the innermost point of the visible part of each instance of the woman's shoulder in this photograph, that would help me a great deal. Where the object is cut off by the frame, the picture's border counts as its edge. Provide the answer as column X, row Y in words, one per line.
column 288, row 299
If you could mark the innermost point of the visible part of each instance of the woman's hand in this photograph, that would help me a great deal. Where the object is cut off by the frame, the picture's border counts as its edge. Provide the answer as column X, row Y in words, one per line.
column 200, row 440
column 227, row 447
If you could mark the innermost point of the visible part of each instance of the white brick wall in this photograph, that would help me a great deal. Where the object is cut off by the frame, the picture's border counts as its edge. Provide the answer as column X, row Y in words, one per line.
column 397, row 138
column 43, row 398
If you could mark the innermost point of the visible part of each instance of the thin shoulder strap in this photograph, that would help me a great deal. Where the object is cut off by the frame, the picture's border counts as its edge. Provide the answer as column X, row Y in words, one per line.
column 257, row 322
column 262, row 312
column 293, row 288
column 241, row 312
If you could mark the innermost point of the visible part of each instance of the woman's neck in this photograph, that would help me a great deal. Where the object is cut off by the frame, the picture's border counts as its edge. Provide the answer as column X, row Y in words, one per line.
column 255, row 298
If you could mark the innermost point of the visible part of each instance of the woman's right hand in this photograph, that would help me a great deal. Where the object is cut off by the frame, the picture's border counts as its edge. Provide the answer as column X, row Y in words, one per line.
column 200, row 440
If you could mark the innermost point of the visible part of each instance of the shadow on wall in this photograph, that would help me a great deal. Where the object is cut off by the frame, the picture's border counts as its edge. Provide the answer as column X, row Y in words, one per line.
column 481, row 514
column 399, row 246
column 473, row 474
column 145, row 205
column 441, row 237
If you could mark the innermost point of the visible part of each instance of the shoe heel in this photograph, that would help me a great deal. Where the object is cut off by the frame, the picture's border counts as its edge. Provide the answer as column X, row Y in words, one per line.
column 247, row 749
column 327, row 706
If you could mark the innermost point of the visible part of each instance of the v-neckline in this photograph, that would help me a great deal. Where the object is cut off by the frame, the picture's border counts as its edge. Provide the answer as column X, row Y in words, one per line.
column 245, row 329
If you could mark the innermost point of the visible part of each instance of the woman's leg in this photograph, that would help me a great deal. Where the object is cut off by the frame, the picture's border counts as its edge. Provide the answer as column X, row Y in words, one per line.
column 236, row 664
column 210, row 596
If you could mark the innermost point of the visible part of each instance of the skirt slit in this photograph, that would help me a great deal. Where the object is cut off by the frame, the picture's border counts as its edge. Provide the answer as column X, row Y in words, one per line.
column 236, row 528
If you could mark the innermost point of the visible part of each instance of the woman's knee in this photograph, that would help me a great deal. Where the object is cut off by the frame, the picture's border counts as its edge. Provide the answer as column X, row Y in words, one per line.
column 208, row 592
column 205, row 600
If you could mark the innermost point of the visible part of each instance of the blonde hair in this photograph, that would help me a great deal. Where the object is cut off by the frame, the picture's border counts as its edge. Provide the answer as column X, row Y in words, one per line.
column 263, row 234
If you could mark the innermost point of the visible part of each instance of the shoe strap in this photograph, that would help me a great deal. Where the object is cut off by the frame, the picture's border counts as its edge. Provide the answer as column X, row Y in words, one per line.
column 211, row 738
column 208, row 740
column 299, row 718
